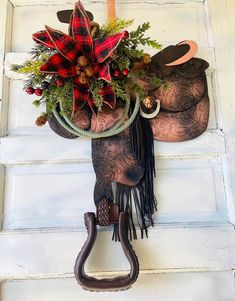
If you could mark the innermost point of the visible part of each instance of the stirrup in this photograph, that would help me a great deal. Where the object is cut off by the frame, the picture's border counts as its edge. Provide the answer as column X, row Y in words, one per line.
column 106, row 284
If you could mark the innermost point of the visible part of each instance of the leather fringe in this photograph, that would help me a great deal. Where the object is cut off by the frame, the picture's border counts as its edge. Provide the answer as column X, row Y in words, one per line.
column 139, row 201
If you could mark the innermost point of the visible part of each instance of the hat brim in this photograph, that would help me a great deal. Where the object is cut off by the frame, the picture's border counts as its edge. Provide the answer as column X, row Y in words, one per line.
column 192, row 50
column 64, row 15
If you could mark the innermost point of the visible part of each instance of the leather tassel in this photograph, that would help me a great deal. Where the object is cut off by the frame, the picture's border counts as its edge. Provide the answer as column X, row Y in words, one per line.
column 139, row 201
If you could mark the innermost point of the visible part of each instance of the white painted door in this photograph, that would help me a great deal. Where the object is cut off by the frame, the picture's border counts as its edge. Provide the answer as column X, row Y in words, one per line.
column 47, row 182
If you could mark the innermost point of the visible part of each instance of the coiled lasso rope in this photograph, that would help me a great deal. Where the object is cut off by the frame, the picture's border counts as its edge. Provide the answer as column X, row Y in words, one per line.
column 67, row 124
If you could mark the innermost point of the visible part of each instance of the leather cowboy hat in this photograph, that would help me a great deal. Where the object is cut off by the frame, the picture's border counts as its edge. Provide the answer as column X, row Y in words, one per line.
column 64, row 15
column 178, row 54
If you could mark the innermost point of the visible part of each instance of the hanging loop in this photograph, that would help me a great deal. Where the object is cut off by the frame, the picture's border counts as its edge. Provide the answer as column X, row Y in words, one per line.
column 111, row 10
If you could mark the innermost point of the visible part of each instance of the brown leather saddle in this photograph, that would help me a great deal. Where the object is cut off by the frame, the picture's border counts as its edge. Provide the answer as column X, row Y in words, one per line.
column 124, row 164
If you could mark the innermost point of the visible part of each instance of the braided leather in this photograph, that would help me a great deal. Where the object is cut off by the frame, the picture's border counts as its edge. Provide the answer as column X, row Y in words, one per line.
column 102, row 214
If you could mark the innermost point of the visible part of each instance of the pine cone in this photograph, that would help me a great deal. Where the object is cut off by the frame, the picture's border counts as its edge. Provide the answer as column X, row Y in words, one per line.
column 83, row 61
column 41, row 120
column 146, row 58
column 89, row 71
column 83, row 80
column 148, row 102
column 138, row 66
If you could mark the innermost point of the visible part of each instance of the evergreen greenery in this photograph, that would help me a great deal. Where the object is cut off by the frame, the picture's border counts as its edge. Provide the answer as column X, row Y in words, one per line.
column 137, row 37
column 95, row 87
column 125, row 57
column 121, row 89
column 115, row 26
column 30, row 68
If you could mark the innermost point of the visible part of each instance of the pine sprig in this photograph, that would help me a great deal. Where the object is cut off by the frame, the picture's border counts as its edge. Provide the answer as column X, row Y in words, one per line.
column 39, row 51
column 115, row 26
column 39, row 55
column 30, row 67
column 34, row 80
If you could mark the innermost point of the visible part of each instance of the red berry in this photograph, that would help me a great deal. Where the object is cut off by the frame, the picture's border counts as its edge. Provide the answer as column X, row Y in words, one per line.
column 117, row 73
column 38, row 92
column 125, row 71
column 30, row 90
column 126, row 34
column 59, row 82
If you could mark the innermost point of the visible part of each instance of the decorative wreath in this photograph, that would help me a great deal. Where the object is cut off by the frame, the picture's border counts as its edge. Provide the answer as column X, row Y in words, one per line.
column 94, row 69
column 93, row 66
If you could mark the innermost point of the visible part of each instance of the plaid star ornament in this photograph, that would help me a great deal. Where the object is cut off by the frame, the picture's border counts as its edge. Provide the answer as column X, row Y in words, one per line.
column 70, row 48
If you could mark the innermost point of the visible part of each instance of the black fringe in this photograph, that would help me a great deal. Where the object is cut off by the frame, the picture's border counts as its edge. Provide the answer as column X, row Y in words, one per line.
column 140, row 199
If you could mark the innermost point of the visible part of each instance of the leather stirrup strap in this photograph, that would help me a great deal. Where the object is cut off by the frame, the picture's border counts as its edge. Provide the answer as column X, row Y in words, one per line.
column 106, row 284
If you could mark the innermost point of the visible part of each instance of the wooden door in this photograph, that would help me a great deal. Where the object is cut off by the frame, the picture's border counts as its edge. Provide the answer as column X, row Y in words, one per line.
column 47, row 182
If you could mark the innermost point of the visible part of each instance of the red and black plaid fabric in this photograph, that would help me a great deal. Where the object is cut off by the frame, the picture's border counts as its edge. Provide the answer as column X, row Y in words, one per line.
column 56, row 64
column 80, row 95
column 64, row 44
column 109, row 97
column 69, row 48
column 43, row 38
column 81, row 29
column 103, row 72
column 104, row 47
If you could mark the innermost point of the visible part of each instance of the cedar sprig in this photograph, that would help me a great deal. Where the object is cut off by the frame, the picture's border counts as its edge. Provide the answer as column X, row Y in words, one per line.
column 133, row 54
column 120, row 90
column 137, row 37
column 54, row 94
column 95, row 87
column 122, row 61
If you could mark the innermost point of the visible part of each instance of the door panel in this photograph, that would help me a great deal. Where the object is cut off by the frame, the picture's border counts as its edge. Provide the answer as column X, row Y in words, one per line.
column 53, row 195
column 52, row 252
column 47, row 182
column 173, row 286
